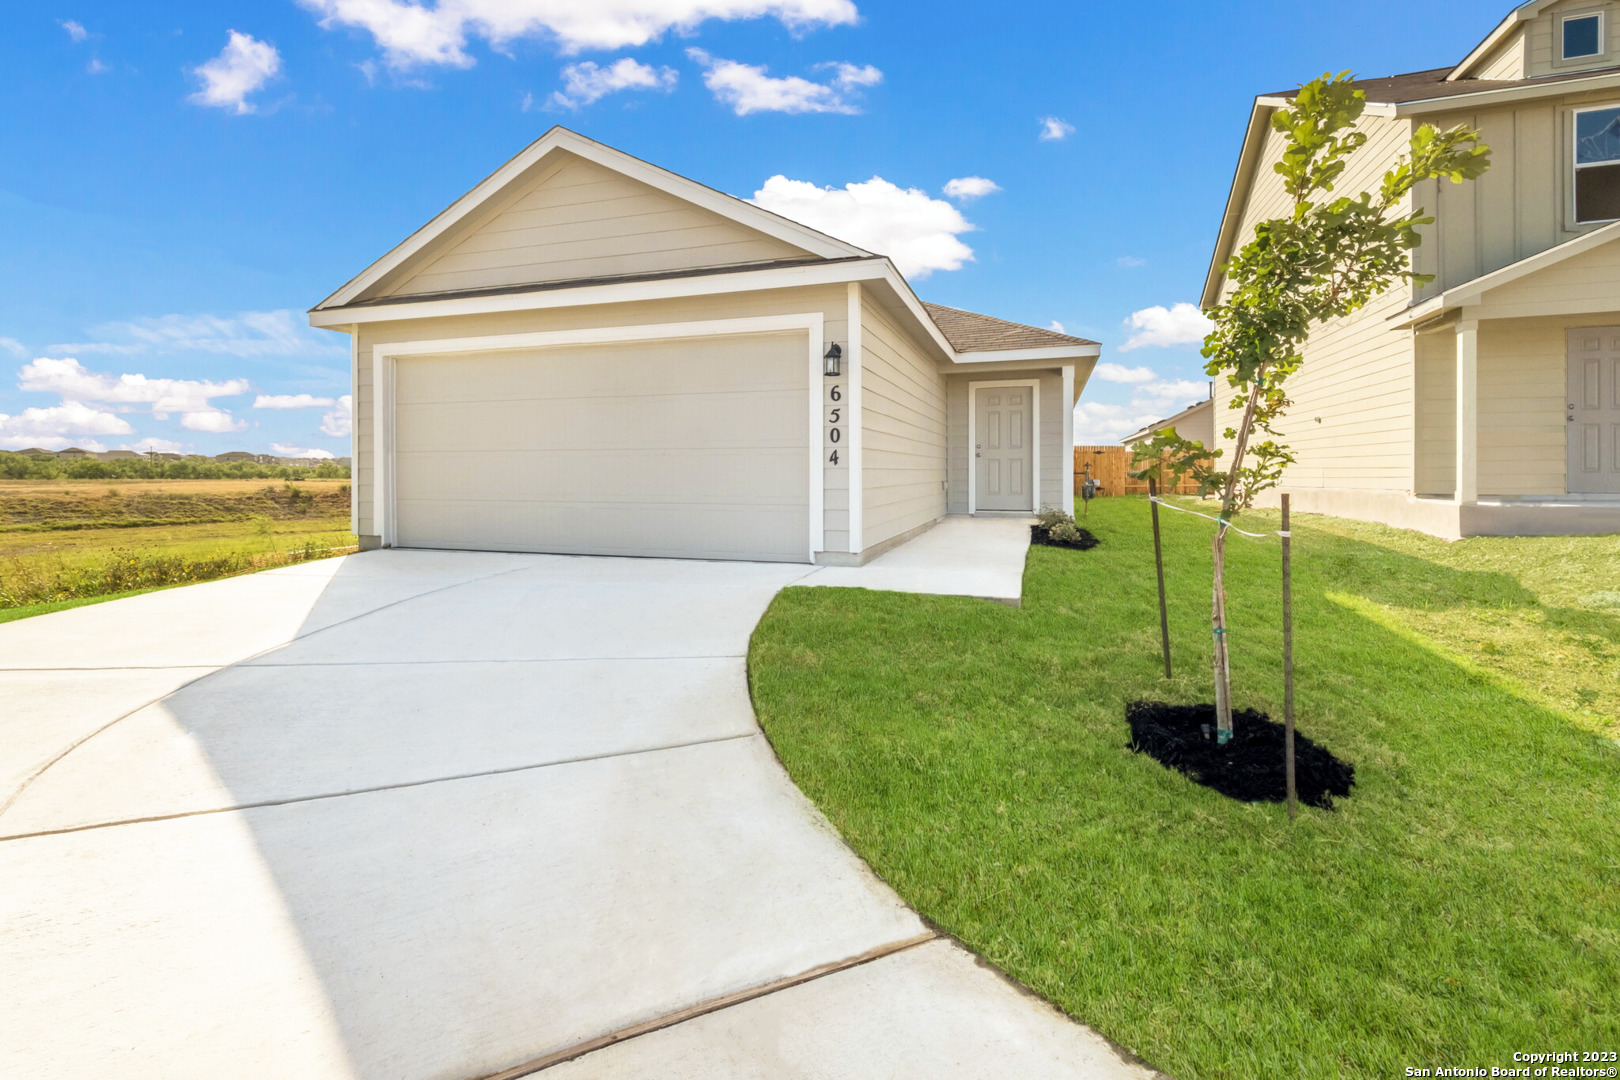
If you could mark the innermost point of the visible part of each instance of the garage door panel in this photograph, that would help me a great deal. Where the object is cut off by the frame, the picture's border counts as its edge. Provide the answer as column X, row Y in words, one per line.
column 735, row 477
column 706, row 365
column 594, row 528
column 767, row 419
column 691, row 448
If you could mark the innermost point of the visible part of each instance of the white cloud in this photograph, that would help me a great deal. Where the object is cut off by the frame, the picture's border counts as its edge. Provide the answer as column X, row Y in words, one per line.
column 13, row 346
column 299, row 451
column 1171, row 395
column 748, row 89
column 1161, row 327
column 76, row 383
column 156, row 446
column 964, row 188
column 243, row 66
column 57, row 426
column 1131, row 262
column 1053, row 129
column 915, row 230
column 215, row 421
column 247, row 334
column 1121, row 374
column 340, row 421
column 585, row 82
column 75, row 30
column 1057, row 327
column 291, row 401
column 414, row 33
column 96, row 67
column 1098, row 423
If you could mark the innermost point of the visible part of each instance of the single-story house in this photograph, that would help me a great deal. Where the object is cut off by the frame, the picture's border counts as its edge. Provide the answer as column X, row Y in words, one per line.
column 1195, row 422
column 1486, row 399
column 590, row 354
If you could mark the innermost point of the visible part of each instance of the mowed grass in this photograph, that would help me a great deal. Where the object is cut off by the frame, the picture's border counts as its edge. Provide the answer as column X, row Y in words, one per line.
column 64, row 543
column 1461, row 905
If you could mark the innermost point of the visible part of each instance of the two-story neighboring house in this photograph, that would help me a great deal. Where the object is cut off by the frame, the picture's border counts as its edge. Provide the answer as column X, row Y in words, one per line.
column 1486, row 402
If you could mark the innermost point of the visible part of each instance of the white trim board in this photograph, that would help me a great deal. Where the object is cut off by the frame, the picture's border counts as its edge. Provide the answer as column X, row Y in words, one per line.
column 562, row 139
column 1035, row 441
column 852, row 415
column 383, row 357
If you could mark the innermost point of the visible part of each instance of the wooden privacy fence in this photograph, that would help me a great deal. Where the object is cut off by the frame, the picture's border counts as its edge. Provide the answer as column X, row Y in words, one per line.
column 1111, row 466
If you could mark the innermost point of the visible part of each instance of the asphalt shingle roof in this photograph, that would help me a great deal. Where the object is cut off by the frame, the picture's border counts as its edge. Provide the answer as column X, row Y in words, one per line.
column 1427, row 85
column 968, row 331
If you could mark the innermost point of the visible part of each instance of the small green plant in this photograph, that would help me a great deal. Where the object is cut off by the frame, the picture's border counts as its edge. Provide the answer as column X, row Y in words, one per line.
column 1051, row 517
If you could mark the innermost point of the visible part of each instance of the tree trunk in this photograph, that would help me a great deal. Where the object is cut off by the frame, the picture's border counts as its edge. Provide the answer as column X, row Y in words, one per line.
column 1223, row 668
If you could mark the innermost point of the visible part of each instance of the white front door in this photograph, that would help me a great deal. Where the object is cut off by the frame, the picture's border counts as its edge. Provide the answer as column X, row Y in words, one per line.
column 1003, row 449
column 1594, row 410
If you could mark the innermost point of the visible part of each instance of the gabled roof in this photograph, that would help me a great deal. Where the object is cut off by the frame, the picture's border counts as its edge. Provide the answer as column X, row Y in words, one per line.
column 1169, row 421
column 1472, row 291
column 561, row 140
column 968, row 331
column 1521, row 14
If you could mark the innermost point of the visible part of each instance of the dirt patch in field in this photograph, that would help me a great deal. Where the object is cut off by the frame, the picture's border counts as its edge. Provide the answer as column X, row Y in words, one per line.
column 1249, row 767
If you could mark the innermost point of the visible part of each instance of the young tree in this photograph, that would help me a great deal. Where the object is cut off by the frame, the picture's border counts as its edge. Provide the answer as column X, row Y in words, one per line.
column 1325, row 260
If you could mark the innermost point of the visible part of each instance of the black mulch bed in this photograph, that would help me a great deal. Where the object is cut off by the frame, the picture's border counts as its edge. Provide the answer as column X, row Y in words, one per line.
column 1249, row 767
column 1039, row 535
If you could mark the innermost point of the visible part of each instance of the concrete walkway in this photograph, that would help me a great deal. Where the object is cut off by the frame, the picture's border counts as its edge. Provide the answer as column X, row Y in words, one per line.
column 961, row 556
column 438, row 816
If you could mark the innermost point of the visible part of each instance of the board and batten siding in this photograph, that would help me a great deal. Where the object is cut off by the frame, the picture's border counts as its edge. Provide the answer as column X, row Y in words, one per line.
column 1056, row 457
column 903, row 419
column 577, row 220
column 1357, row 375
column 1541, row 47
column 831, row 301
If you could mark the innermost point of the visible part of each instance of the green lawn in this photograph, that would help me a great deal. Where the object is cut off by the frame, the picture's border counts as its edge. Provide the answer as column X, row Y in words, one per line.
column 1462, row 904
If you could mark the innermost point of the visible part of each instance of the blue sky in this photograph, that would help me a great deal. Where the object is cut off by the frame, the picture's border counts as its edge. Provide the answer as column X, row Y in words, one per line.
column 179, row 182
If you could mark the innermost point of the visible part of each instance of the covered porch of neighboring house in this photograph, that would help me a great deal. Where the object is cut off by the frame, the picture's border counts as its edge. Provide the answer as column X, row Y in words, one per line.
column 1517, row 397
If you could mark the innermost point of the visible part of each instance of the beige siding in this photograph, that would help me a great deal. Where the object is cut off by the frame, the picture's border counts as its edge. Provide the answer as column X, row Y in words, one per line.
column 903, row 431
column 580, row 220
column 831, row 301
column 1517, row 209
column 1542, row 47
column 1590, row 279
column 1521, row 405
column 1506, row 62
column 1357, row 375
column 1435, row 447
column 1053, row 484
column 1351, row 422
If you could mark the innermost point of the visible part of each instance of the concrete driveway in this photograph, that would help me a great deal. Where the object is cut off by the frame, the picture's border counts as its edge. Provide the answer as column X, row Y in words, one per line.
column 424, row 815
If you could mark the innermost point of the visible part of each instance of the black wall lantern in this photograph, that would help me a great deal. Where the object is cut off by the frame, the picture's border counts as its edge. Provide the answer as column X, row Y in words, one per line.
column 833, row 362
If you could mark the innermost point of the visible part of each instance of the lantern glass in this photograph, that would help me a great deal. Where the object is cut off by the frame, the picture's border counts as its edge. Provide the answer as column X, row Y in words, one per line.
column 833, row 361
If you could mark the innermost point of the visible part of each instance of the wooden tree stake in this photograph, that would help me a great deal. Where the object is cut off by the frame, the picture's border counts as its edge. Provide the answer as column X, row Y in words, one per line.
column 1288, row 658
column 1158, row 560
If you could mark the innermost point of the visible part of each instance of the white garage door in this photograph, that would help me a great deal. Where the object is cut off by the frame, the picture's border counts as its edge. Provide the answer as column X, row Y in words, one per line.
column 692, row 448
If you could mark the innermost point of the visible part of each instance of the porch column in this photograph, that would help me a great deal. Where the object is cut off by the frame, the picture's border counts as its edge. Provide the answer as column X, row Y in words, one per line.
column 1467, row 456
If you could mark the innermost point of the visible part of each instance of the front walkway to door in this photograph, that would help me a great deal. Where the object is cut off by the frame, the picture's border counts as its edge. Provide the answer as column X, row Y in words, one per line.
column 961, row 556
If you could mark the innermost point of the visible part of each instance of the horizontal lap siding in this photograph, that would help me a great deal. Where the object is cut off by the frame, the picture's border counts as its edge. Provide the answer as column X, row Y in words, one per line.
column 830, row 301
column 1357, row 374
column 582, row 221
column 1436, row 387
column 902, row 431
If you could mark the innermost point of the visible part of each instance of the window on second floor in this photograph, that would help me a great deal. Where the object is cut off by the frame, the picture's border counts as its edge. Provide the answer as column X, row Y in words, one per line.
column 1597, row 165
column 1583, row 36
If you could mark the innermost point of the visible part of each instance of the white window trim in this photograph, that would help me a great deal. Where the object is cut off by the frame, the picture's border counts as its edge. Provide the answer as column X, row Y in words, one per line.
column 383, row 357
column 1601, row 35
column 1575, row 167
column 1035, row 441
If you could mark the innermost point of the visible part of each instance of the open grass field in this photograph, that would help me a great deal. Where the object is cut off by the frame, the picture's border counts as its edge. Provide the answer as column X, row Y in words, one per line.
column 1462, row 904
column 64, row 542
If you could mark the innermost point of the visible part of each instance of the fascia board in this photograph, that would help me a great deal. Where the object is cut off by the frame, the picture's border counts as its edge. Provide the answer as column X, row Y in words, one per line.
column 1606, row 81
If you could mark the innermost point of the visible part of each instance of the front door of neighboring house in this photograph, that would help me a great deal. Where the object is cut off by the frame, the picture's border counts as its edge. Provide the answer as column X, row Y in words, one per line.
column 1003, row 450
column 1594, row 410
